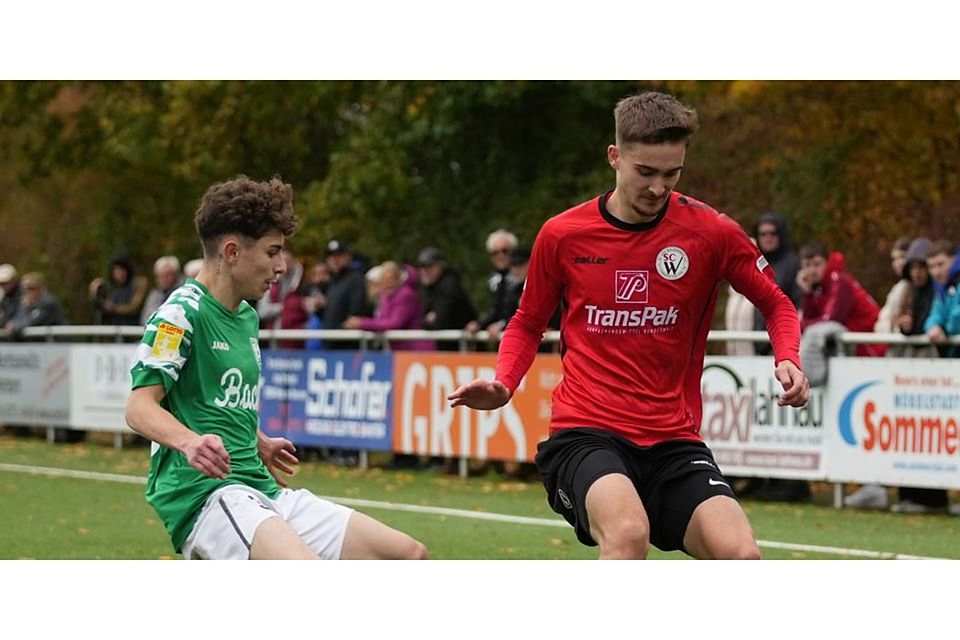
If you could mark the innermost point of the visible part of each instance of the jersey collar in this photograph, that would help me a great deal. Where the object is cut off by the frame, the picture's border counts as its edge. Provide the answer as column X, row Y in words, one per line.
column 626, row 226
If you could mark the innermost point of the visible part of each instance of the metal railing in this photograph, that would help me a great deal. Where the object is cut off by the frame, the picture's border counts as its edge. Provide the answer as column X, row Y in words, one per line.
column 368, row 339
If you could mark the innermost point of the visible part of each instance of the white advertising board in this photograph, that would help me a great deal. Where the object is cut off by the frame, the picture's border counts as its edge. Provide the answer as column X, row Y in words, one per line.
column 100, row 385
column 749, row 434
column 35, row 384
column 894, row 421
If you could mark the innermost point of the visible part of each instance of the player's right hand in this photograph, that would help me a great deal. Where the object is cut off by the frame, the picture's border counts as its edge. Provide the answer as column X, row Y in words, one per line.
column 481, row 394
column 207, row 455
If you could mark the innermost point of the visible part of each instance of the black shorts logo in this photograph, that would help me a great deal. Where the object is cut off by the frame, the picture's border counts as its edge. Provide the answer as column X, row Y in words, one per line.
column 564, row 499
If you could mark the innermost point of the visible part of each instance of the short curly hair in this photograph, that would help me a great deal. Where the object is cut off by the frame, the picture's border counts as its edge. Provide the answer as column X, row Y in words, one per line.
column 247, row 208
column 653, row 118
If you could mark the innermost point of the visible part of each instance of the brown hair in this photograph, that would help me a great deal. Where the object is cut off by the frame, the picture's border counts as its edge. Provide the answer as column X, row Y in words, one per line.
column 902, row 243
column 943, row 246
column 247, row 208
column 813, row 249
column 653, row 118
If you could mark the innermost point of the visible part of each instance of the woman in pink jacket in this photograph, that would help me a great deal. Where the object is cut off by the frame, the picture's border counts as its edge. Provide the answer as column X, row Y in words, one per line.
column 398, row 307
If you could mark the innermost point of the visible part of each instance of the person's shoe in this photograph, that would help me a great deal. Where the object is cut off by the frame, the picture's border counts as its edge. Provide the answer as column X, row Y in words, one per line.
column 869, row 496
column 909, row 506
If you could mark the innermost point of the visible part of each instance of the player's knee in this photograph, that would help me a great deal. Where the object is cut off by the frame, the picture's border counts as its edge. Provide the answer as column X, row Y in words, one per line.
column 747, row 551
column 740, row 550
column 417, row 551
column 629, row 537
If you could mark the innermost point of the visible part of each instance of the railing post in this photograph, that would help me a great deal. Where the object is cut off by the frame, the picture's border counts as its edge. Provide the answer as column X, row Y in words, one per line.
column 463, row 464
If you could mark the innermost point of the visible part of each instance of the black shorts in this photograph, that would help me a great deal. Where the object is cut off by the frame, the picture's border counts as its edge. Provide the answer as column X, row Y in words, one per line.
column 672, row 478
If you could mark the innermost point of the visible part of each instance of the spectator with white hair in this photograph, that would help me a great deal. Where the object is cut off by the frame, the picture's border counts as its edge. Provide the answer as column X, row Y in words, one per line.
column 192, row 268
column 166, row 275
column 500, row 244
column 10, row 292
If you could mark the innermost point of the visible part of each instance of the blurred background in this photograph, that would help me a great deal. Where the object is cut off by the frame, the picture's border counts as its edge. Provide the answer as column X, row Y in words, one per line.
column 90, row 169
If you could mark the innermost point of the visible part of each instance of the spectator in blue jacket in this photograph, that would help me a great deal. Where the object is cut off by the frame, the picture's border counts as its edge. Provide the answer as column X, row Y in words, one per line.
column 944, row 318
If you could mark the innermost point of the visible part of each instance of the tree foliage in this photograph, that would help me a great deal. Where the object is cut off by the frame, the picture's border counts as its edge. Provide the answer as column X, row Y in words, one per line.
column 91, row 168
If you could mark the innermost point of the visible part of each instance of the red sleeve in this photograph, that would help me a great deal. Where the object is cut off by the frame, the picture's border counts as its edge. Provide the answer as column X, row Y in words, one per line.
column 541, row 295
column 751, row 275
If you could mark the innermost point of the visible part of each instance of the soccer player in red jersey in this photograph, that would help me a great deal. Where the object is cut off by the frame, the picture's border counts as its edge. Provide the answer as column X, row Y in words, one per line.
column 637, row 271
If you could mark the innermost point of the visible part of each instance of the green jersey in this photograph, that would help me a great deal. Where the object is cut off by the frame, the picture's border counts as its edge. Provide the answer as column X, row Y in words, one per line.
column 208, row 360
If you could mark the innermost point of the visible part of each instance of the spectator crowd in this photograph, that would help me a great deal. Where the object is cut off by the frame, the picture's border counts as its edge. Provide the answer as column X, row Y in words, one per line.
column 343, row 289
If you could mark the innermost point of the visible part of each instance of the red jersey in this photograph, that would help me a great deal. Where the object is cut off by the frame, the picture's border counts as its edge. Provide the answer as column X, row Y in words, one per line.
column 637, row 301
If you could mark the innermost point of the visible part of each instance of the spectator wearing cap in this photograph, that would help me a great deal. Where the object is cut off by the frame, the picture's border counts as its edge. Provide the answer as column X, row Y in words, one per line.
column 347, row 294
column 398, row 307
column 167, row 277
column 37, row 307
column 10, row 285
column 118, row 299
column 500, row 244
column 447, row 304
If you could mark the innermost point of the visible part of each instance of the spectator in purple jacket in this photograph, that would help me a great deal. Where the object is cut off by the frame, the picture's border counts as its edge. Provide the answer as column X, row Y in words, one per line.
column 398, row 307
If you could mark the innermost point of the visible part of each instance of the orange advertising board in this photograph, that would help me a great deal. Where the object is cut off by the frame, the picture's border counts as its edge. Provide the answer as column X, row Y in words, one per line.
column 425, row 424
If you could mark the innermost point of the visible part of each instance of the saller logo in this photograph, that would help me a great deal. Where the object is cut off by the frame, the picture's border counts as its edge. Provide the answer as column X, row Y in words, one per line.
column 632, row 286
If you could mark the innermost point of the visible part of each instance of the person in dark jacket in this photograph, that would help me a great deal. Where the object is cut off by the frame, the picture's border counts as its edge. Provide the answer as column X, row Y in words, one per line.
column 118, row 300
column 773, row 240
column 37, row 307
column 347, row 293
column 447, row 305
column 500, row 245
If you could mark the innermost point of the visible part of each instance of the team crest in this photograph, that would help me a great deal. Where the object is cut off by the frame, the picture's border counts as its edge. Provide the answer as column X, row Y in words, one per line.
column 255, row 345
column 672, row 263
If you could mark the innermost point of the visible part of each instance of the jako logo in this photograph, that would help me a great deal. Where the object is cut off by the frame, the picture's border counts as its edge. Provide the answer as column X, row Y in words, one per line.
column 632, row 286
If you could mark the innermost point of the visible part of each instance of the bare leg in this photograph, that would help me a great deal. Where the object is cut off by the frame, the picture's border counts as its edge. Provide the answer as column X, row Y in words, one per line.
column 276, row 540
column 369, row 539
column 719, row 530
column 618, row 521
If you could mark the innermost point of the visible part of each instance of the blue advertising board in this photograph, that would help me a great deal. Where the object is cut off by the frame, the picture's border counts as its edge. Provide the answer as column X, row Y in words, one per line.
column 339, row 399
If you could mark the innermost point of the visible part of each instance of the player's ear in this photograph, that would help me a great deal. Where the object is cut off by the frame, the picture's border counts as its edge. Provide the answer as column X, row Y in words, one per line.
column 230, row 249
column 613, row 157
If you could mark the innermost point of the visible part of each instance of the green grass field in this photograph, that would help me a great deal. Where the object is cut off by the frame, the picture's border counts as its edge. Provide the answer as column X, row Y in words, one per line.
column 71, row 518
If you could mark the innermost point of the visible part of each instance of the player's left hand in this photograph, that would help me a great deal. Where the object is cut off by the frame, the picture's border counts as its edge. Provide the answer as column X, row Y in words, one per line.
column 277, row 453
column 796, row 387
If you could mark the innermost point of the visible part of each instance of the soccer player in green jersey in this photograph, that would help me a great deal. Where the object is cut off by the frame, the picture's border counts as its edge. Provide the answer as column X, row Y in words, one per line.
column 214, row 477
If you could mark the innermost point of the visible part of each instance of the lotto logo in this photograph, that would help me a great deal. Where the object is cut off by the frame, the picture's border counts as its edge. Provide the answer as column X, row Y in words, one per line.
column 632, row 286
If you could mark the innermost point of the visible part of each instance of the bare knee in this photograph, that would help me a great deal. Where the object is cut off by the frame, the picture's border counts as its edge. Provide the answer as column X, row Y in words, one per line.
column 740, row 550
column 626, row 539
column 417, row 551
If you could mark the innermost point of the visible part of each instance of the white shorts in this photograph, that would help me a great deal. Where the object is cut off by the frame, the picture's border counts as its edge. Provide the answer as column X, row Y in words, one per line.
column 231, row 515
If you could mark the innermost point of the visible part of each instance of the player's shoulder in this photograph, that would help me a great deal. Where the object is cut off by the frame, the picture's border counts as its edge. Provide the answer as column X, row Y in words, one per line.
column 182, row 307
column 573, row 218
column 247, row 312
column 697, row 215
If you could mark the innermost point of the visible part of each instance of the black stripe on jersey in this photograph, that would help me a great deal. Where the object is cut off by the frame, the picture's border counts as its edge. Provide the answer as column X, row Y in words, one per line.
column 703, row 315
column 233, row 522
column 563, row 314
column 626, row 226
